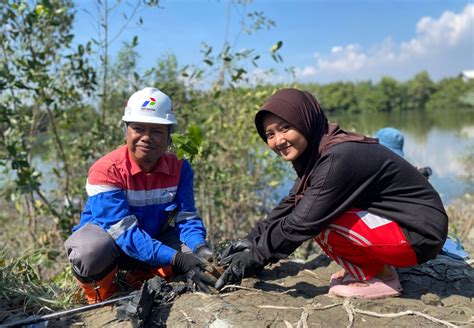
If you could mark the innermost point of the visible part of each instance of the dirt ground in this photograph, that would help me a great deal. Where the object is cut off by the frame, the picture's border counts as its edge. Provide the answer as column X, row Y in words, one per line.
column 439, row 293
column 294, row 294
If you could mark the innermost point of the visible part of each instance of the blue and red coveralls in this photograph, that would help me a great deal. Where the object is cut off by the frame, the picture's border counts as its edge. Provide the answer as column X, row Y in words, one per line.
column 128, row 205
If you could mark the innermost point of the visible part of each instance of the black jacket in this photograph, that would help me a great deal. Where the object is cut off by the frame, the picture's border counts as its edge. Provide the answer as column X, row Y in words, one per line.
column 365, row 176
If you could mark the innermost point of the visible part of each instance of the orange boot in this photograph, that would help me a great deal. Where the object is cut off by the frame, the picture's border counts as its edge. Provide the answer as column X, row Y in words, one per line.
column 98, row 291
column 136, row 277
column 165, row 272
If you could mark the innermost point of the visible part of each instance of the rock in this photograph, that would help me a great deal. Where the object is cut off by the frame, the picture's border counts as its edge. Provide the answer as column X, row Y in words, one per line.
column 443, row 276
column 431, row 299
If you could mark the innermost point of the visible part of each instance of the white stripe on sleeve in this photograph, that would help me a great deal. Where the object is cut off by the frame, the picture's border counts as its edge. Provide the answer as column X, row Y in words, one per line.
column 93, row 189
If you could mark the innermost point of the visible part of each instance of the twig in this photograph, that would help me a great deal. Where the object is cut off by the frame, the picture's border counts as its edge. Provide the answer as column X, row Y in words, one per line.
column 303, row 323
column 186, row 317
column 311, row 273
column 257, row 291
column 287, row 324
column 350, row 311
column 409, row 312
column 271, row 292
column 240, row 287
column 278, row 307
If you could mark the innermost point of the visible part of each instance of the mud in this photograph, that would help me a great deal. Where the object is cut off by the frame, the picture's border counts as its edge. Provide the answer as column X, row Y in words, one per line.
column 294, row 294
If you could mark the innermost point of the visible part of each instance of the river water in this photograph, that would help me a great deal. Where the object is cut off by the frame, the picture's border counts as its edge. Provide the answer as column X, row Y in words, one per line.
column 441, row 140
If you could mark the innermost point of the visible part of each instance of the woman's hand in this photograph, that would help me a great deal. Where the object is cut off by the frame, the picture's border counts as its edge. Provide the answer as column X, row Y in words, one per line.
column 242, row 245
column 242, row 265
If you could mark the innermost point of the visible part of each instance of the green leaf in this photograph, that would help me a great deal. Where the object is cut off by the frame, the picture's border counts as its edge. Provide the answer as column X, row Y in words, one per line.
column 134, row 41
column 39, row 9
column 276, row 46
column 195, row 134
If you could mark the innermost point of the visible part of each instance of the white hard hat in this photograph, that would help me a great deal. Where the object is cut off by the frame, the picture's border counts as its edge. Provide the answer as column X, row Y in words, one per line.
column 149, row 105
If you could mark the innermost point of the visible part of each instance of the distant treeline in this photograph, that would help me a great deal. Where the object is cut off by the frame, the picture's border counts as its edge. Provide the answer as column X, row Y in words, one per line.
column 418, row 93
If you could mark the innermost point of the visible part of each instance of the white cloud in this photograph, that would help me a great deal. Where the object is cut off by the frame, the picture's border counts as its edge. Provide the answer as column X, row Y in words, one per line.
column 442, row 46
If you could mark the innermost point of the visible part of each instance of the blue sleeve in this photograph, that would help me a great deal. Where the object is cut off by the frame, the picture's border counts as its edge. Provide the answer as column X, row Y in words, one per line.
column 189, row 225
column 109, row 210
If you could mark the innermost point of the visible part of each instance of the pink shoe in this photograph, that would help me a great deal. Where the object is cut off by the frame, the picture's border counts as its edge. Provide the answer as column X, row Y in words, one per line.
column 375, row 288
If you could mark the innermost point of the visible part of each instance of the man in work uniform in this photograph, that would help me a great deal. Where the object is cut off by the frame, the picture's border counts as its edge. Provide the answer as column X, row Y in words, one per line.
column 134, row 193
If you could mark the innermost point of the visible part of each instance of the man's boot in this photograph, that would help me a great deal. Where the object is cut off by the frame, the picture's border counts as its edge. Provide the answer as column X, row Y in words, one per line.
column 100, row 290
column 136, row 277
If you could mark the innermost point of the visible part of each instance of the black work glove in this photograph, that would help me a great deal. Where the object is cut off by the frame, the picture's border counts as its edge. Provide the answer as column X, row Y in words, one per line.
column 205, row 252
column 195, row 270
column 242, row 245
column 241, row 266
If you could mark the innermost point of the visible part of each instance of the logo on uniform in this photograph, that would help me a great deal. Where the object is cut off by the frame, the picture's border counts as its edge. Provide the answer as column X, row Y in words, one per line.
column 148, row 104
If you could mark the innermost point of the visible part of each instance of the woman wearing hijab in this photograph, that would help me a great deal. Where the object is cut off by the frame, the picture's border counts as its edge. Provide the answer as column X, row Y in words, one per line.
column 367, row 208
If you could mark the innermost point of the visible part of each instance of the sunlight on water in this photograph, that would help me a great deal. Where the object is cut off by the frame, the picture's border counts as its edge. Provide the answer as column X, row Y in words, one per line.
column 443, row 151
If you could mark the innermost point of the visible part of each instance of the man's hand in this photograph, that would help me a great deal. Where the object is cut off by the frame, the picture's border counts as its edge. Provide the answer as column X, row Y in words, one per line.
column 205, row 252
column 242, row 245
column 195, row 270
column 242, row 265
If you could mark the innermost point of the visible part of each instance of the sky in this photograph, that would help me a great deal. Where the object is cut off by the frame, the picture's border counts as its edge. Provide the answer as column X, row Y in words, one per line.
column 323, row 40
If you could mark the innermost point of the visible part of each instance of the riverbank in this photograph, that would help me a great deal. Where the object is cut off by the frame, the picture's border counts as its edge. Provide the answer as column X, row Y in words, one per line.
column 293, row 294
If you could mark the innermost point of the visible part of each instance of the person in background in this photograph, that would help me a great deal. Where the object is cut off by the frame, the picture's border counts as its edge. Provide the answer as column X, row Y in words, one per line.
column 393, row 139
column 140, row 214
column 367, row 208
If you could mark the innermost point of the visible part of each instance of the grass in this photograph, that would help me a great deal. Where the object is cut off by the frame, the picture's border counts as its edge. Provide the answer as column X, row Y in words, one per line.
column 23, row 290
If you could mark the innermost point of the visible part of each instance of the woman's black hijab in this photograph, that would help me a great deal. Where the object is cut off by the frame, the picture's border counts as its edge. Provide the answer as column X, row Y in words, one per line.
column 301, row 110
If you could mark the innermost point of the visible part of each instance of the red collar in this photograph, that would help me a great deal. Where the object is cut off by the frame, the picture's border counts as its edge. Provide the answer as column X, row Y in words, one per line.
column 160, row 167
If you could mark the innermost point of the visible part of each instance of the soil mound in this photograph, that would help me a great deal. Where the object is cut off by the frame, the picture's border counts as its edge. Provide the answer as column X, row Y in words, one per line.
column 438, row 293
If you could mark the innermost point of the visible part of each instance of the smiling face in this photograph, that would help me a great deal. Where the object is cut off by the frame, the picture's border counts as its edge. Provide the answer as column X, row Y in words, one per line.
column 146, row 143
column 282, row 138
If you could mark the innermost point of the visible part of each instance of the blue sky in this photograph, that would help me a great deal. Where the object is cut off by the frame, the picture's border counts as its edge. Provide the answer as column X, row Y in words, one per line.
column 323, row 40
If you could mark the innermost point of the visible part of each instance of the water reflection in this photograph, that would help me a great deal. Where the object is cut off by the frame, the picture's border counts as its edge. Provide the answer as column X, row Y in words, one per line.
column 442, row 150
column 440, row 140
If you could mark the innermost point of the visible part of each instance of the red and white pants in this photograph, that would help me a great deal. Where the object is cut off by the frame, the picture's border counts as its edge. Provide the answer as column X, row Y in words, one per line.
column 362, row 243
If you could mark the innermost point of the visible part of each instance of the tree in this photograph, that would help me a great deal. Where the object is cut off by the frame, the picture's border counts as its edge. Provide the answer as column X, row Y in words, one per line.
column 418, row 91
column 449, row 94
column 42, row 82
column 338, row 96
column 389, row 95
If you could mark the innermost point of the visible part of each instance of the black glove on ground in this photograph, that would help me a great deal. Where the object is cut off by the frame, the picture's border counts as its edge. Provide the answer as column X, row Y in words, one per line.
column 242, row 265
column 205, row 252
column 242, row 245
column 194, row 268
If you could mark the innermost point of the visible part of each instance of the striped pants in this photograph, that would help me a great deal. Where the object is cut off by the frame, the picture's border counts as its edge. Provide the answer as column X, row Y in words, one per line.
column 362, row 243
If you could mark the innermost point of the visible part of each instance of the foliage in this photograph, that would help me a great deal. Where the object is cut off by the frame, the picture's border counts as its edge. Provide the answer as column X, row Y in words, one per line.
column 42, row 83
column 449, row 93
column 51, row 109
column 22, row 286
column 234, row 178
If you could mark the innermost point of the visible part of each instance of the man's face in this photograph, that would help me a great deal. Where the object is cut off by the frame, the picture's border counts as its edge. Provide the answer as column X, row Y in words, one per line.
column 146, row 143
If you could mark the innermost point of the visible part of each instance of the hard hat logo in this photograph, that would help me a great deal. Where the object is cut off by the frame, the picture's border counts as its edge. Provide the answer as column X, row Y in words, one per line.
column 150, row 102
column 149, row 105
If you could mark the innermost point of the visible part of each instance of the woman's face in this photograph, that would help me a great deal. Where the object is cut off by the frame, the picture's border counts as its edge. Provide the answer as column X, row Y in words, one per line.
column 283, row 138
